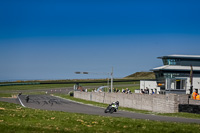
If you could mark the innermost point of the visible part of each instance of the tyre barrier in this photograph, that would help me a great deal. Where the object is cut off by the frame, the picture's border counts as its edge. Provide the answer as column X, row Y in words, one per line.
column 189, row 108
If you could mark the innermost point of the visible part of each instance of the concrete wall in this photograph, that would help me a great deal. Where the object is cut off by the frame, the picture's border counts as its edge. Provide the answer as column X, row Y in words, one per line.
column 157, row 103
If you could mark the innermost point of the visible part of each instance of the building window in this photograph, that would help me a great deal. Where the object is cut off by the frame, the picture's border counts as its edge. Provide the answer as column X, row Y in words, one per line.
column 175, row 84
column 170, row 61
column 171, row 75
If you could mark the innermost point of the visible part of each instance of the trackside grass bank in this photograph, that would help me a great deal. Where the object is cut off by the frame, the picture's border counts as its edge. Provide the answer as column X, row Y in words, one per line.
column 14, row 118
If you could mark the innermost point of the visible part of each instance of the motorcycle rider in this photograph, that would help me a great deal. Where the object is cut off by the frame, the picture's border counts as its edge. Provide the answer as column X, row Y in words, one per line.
column 27, row 98
column 115, row 104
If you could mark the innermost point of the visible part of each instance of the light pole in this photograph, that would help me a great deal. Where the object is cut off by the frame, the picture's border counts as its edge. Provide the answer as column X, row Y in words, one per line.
column 111, row 76
column 103, row 73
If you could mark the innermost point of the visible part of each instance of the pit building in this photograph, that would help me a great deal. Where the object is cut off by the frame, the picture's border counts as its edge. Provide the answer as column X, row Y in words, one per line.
column 178, row 74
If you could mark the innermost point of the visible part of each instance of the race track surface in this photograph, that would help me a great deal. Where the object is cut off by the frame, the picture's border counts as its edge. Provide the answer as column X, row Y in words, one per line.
column 47, row 102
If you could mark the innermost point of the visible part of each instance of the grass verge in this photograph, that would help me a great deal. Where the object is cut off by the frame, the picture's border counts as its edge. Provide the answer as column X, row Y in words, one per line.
column 5, row 95
column 14, row 118
column 33, row 87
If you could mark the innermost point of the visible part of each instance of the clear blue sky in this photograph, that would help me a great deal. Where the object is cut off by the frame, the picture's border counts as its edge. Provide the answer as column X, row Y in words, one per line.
column 54, row 38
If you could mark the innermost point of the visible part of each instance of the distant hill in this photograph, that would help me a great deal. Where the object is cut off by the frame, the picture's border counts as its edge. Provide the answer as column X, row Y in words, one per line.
column 141, row 75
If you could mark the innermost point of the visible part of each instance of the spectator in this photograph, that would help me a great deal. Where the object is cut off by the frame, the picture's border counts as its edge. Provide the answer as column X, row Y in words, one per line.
column 117, row 90
column 194, row 94
column 127, row 90
column 27, row 98
column 124, row 91
column 147, row 90
column 198, row 97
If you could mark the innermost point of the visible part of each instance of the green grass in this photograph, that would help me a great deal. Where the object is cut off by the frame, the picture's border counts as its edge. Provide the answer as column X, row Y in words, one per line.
column 50, row 86
column 181, row 114
column 14, row 118
column 5, row 95
column 33, row 87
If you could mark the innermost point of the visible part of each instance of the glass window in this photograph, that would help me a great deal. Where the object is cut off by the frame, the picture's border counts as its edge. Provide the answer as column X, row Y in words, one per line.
column 165, row 62
column 169, row 61
column 176, row 84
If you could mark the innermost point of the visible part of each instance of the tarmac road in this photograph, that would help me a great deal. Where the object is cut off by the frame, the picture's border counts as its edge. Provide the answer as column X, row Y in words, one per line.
column 47, row 102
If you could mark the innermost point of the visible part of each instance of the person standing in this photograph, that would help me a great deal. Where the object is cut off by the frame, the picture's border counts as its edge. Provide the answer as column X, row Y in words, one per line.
column 27, row 98
column 198, row 97
column 194, row 94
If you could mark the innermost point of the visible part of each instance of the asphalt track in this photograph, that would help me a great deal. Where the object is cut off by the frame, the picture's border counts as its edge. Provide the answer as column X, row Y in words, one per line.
column 47, row 102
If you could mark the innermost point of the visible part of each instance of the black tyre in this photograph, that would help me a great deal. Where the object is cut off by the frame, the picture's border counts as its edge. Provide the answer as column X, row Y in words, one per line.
column 105, row 111
column 112, row 110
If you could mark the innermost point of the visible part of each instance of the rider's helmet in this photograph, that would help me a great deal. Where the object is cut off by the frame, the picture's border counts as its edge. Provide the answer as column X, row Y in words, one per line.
column 117, row 102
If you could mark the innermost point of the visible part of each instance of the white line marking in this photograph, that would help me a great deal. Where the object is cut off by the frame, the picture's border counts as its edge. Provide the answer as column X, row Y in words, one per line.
column 21, row 102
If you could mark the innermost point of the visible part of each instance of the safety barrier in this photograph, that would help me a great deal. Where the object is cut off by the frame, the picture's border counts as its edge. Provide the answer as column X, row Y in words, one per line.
column 30, row 83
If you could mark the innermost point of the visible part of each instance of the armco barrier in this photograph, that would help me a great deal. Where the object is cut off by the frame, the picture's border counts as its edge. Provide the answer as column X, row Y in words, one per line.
column 11, row 84
column 157, row 103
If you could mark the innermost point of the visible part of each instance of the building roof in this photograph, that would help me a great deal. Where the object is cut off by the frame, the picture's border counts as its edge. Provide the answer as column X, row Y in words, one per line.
column 176, row 68
column 181, row 56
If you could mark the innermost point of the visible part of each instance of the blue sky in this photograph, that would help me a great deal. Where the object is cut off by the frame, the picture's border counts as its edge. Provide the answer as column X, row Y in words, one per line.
column 53, row 39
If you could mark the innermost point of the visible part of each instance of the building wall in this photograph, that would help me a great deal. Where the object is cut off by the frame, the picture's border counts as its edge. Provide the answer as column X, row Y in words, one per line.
column 157, row 103
column 196, row 85
column 189, row 62
column 147, row 83
column 150, row 84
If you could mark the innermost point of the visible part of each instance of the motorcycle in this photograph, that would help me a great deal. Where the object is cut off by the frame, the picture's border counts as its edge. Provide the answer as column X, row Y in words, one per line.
column 112, row 107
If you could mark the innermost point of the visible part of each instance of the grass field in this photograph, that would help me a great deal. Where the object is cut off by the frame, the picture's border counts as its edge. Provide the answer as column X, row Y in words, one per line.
column 50, row 86
column 11, row 90
column 33, row 87
column 14, row 118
